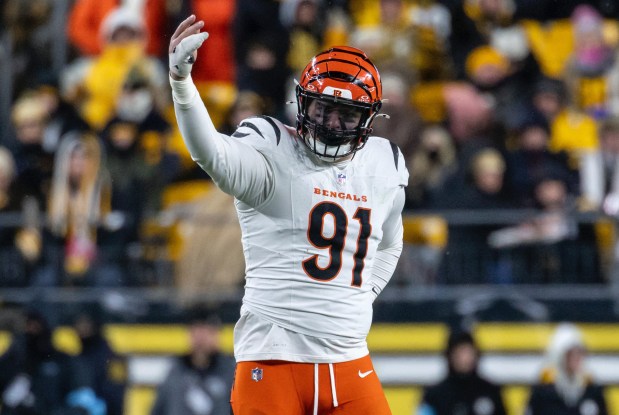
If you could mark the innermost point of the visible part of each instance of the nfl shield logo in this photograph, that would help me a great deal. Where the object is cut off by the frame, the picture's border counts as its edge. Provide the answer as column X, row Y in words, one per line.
column 256, row 374
column 341, row 179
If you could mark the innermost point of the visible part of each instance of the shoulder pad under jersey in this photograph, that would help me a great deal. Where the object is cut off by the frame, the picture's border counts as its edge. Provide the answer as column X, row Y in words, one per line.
column 262, row 132
column 388, row 158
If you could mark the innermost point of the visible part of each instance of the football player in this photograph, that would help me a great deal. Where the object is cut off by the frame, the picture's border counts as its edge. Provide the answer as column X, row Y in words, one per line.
column 320, row 208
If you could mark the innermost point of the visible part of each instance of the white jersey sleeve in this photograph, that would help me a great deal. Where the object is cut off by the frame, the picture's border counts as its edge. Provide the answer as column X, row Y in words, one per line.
column 239, row 168
column 390, row 246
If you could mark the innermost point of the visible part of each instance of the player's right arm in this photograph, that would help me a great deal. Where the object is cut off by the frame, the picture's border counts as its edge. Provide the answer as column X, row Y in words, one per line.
column 236, row 167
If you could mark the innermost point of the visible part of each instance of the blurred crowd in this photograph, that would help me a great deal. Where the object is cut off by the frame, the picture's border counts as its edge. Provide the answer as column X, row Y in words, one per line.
column 564, row 384
column 41, row 375
column 38, row 376
column 495, row 104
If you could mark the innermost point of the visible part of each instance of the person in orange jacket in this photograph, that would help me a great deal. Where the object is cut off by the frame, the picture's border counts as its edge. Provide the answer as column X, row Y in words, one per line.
column 86, row 16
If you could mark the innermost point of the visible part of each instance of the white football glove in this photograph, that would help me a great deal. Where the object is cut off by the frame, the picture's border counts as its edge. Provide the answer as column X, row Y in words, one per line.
column 182, row 57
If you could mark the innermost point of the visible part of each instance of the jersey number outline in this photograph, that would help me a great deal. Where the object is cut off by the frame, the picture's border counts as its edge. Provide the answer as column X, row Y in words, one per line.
column 336, row 242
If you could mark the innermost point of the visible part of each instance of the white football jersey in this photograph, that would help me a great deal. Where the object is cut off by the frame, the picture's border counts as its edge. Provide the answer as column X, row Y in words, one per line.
column 311, row 229
column 321, row 239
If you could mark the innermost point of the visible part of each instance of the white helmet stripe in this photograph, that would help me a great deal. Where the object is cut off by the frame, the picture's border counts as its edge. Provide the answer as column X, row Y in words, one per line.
column 337, row 92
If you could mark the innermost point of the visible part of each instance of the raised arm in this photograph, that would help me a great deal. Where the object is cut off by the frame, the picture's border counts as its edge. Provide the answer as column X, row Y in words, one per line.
column 236, row 167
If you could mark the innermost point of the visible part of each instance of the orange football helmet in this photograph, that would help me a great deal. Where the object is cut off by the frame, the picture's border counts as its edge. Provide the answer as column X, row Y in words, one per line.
column 338, row 97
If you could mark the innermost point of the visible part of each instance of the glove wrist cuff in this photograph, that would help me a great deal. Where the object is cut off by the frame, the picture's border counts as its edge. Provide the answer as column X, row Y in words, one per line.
column 183, row 91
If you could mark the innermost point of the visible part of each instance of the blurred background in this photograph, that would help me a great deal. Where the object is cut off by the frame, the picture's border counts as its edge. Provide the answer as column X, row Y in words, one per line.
column 121, row 263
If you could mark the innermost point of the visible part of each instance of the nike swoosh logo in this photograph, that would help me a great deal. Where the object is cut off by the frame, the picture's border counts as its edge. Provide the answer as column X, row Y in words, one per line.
column 364, row 374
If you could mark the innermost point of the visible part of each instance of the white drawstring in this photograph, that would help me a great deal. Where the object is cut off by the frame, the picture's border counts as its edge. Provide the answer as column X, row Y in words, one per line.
column 315, row 388
column 333, row 392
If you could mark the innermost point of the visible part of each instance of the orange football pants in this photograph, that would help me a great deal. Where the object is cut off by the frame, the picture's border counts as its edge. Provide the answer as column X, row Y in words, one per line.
column 274, row 387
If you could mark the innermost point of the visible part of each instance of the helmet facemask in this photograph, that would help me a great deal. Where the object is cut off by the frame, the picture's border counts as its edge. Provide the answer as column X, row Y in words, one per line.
column 333, row 127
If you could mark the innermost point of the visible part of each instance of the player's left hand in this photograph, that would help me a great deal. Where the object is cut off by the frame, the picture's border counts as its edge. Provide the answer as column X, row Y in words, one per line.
column 184, row 44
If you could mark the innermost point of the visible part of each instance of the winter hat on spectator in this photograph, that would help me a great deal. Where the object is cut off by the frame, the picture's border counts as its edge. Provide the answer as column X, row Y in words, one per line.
column 28, row 108
column 566, row 337
column 121, row 17
column 532, row 119
column 485, row 56
column 586, row 19
column 511, row 42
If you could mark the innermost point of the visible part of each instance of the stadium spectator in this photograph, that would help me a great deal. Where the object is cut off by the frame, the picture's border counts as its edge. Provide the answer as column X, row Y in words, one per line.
column 608, row 184
column 87, row 17
column 432, row 163
column 576, row 134
column 413, row 33
column 570, row 254
column 20, row 241
column 389, row 38
column 602, row 167
column 136, row 145
column 476, row 23
column 306, row 22
column 469, row 114
column 463, row 390
column 28, row 29
column 97, row 369
column 198, row 383
column 504, row 80
column 556, row 248
column 35, row 377
column 63, row 117
column 261, row 45
column 312, row 25
column 549, row 97
column 34, row 162
column 78, row 218
column 592, row 72
column 404, row 123
column 94, row 83
column 529, row 158
column 565, row 385
column 430, row 22
column 481, row 186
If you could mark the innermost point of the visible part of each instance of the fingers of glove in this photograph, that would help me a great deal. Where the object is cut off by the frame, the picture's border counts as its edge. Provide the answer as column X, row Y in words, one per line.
column 186, row 31
column 184, row 25
column 190, row 44
column 183, row 55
